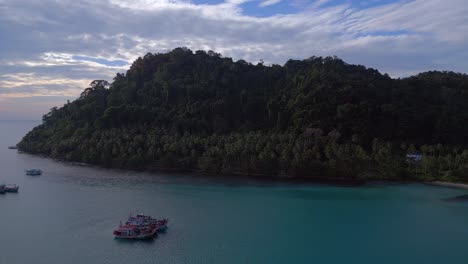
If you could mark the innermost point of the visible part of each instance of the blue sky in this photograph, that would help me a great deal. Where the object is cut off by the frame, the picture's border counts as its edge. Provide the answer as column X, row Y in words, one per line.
column 260, row 8
column 52, row 49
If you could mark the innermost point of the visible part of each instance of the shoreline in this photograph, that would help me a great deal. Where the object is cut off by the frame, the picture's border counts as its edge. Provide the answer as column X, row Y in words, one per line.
column 448, row 184
column 337, row 181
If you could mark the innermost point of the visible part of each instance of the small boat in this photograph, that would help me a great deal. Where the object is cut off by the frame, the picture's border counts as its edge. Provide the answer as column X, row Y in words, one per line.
column 12, row 188
column 140, row 227
column 2, row 188
column 33, row 172
column 135, row 232
column 141, row 219
column 12, row 147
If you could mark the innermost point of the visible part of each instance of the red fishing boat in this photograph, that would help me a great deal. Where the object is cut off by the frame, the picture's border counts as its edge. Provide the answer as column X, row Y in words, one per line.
column 135, row 232
column 140, row 227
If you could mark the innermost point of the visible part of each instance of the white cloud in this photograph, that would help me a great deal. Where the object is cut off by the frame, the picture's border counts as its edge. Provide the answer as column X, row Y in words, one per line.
column 30, row 84
column 149, row 4
column 269, row 3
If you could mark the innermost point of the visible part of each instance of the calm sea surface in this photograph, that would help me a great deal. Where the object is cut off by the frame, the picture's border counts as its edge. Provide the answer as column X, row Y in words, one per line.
column 67, row 215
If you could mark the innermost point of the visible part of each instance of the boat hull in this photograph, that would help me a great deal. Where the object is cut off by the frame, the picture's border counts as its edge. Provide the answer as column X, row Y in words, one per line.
column 33, row 172
column 11, row 190
column 151, row 235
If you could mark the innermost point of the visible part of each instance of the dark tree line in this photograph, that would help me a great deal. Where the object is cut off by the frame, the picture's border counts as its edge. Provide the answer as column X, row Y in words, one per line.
column 318, row 117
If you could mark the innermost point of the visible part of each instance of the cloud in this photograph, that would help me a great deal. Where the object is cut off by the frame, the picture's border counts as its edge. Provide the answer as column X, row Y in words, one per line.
column 29, row 84
column 57, row 47
column 101, row 61
column 269, row 3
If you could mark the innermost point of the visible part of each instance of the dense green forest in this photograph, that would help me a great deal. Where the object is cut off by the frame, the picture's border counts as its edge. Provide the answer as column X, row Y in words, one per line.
column 319, row 118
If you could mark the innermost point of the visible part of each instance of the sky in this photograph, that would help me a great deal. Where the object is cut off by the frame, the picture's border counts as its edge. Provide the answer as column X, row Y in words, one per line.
column 50, row 50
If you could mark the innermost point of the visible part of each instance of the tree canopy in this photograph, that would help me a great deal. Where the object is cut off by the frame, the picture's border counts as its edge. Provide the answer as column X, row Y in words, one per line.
column 318, row 117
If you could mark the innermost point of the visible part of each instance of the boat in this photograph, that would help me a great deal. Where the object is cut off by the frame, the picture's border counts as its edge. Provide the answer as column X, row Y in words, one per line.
column 135, row 232
column 140, row 227
column 12, row 147
column 141, row 219
column 33, row 172
column 2, row 188
column 12, row 188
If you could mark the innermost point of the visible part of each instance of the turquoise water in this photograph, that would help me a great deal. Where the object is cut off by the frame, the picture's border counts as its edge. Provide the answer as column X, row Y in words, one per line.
column 67, row 216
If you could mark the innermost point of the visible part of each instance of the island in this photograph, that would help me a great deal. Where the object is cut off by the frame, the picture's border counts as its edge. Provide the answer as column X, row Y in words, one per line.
column 315, row 118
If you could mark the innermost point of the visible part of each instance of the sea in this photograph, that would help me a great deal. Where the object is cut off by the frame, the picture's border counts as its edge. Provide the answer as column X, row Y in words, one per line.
column 68, row 214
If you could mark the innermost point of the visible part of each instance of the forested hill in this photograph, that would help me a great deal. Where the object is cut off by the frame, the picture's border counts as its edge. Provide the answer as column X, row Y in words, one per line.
column 318, row 117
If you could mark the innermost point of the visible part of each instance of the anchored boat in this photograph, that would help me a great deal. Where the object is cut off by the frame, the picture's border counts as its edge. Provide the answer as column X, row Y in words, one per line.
column 140, row 227
column 12, row 188
column 33, row 172
column 2, row 188
column 135, row 232
column 12, row 147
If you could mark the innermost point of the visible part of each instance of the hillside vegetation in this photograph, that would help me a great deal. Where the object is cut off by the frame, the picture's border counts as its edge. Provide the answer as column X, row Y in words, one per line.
column 318, row 117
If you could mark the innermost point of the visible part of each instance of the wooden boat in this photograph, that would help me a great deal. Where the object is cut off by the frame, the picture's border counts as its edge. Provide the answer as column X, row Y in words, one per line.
column 135, row 232
column 33, row 172
column 12, row 188
column 140, row 227
column 140, row 219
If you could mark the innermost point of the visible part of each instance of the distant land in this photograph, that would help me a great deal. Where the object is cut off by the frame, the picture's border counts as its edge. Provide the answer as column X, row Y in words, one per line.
column 314, row 118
